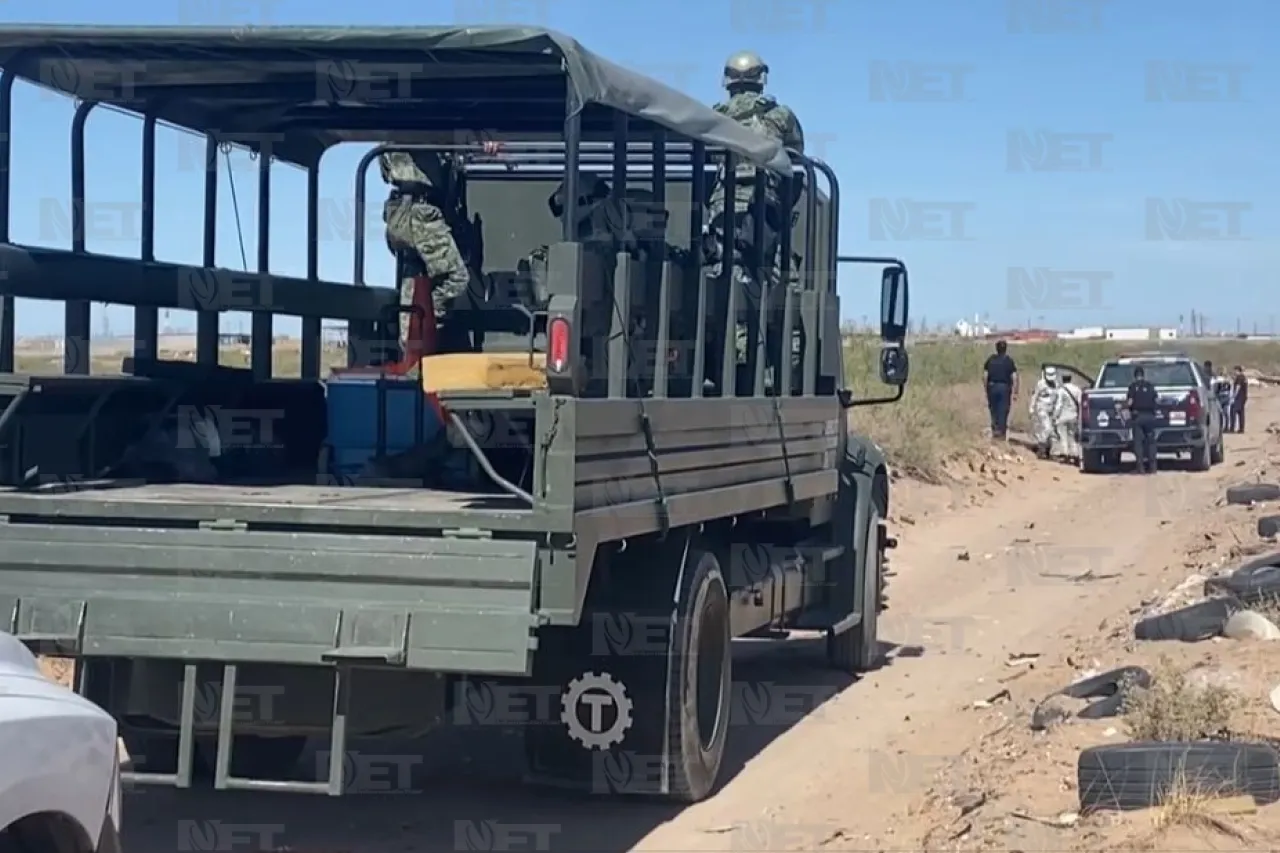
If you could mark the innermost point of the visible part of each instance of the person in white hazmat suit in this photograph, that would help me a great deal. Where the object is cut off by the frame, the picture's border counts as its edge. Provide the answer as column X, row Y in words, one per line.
column 1042, row 402
column 1066, row 422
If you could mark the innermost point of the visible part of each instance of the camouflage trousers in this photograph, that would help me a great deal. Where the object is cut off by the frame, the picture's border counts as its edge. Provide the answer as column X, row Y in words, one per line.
column 418, row 226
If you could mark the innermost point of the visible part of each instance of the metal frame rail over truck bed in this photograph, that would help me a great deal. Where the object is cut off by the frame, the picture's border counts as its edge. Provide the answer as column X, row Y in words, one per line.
column 691, row 501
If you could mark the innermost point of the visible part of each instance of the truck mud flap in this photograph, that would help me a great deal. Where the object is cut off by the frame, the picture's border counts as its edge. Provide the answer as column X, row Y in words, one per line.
column 442, row 604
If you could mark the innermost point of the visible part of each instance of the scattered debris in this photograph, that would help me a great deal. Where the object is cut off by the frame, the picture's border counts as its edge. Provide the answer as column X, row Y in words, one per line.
column 996, row 699
column 1022, row 658
column 1056, row 709
column 1085, row 577
column 1110, row 690
column 970, row 802
column 1063, row 820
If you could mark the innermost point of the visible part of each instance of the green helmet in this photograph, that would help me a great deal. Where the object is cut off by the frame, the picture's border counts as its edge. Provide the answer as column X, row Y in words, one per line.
column 745, row 69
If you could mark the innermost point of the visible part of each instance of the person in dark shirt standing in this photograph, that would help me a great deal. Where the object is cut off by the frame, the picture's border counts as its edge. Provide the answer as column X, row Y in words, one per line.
column 1000, row 377
column 1141, row 402
column 1239, row 396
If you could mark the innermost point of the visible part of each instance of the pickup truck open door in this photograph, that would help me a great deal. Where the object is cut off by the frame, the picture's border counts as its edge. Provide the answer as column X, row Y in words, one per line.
column 1083, row 380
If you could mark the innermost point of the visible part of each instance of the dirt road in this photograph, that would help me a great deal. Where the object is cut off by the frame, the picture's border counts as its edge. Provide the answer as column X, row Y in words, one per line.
column 1047, row 559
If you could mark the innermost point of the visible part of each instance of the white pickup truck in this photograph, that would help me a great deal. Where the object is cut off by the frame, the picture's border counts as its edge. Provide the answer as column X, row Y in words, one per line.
column 1189, row 419
column 60, row 781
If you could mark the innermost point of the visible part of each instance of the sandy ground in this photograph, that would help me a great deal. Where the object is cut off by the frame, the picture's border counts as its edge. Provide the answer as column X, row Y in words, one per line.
column 1019, row 557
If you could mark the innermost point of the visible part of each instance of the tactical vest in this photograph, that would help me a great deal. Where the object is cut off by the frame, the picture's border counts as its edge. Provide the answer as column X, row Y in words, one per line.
column 760, row 113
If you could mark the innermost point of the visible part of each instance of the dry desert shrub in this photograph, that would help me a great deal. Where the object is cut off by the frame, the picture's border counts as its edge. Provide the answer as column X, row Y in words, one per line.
column 1175, row 708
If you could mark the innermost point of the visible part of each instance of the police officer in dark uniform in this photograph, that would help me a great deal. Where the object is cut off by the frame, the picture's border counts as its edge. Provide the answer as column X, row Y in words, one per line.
column 1141, row 402
column 1000, row 379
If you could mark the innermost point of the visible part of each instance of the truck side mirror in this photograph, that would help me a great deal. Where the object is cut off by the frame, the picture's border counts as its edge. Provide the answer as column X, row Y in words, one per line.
column 894, row 313
column 895, row 366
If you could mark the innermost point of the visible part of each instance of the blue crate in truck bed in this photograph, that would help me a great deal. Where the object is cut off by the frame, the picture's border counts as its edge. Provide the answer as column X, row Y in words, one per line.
column 353, row 402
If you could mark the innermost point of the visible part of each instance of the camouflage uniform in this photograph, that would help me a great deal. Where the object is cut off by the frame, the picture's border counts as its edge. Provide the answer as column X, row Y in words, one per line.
column 744, row 77
column 414, row 222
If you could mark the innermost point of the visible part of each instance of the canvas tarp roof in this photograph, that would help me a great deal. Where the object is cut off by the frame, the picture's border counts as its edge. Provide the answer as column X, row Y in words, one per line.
column 265, row 80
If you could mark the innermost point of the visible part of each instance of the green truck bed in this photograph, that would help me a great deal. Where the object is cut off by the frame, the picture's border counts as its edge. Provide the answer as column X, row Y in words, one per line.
column 149, row 571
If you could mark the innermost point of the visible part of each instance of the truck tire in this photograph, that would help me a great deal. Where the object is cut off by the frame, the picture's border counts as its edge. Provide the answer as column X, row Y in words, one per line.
column 1219, row 452
column 1131, row 776
column 1250, row 493
column 673, row 668
column 1188, row 624
column 857, row 650
column 1202, row 457
column 700, row 679
column 1091, row 461
column 1257, row 580
column 1109, row 689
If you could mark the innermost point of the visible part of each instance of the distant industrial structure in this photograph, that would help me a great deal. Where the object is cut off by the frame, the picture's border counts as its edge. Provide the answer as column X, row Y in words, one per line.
column 1137, row 333
column 979, row 329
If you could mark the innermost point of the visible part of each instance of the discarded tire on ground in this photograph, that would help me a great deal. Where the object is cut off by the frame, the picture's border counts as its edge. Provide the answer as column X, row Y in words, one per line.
column 1108, row 688
column 1188, row 624
column 1269, row 526
column 1132, row 776
column 1256, row 580
column 1250, row 493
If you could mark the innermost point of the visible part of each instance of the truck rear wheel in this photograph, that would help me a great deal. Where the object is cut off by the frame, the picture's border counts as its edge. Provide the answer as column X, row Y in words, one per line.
column 857, row 649
column 701, row 675
column 644, row 680
column 1202, row 457
column 1092, row 461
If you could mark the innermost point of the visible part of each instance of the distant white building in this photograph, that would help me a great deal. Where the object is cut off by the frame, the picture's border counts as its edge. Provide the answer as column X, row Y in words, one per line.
column 1100, row 333
column 1143, row 334
column 1086, row 333
column 976, row 329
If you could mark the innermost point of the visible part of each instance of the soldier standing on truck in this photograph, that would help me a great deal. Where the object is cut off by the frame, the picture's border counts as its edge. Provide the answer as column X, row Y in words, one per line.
column 419, row 218
column 745, row 76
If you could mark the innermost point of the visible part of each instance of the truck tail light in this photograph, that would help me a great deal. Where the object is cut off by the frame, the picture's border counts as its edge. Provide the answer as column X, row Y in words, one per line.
column 558, row 344
column 1084, row 409
column 1193, row 405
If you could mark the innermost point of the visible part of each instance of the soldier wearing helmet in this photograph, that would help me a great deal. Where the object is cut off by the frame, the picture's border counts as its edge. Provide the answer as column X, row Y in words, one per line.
column 745, row 76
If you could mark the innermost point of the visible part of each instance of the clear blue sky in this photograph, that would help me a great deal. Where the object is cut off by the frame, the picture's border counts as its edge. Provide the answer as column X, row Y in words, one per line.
column 1122, row 181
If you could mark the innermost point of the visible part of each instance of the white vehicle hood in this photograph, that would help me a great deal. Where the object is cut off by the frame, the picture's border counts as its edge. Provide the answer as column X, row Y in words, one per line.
column 59, row 749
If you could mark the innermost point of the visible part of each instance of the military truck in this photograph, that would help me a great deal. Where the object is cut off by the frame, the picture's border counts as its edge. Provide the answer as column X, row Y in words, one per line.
column 633, row 516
